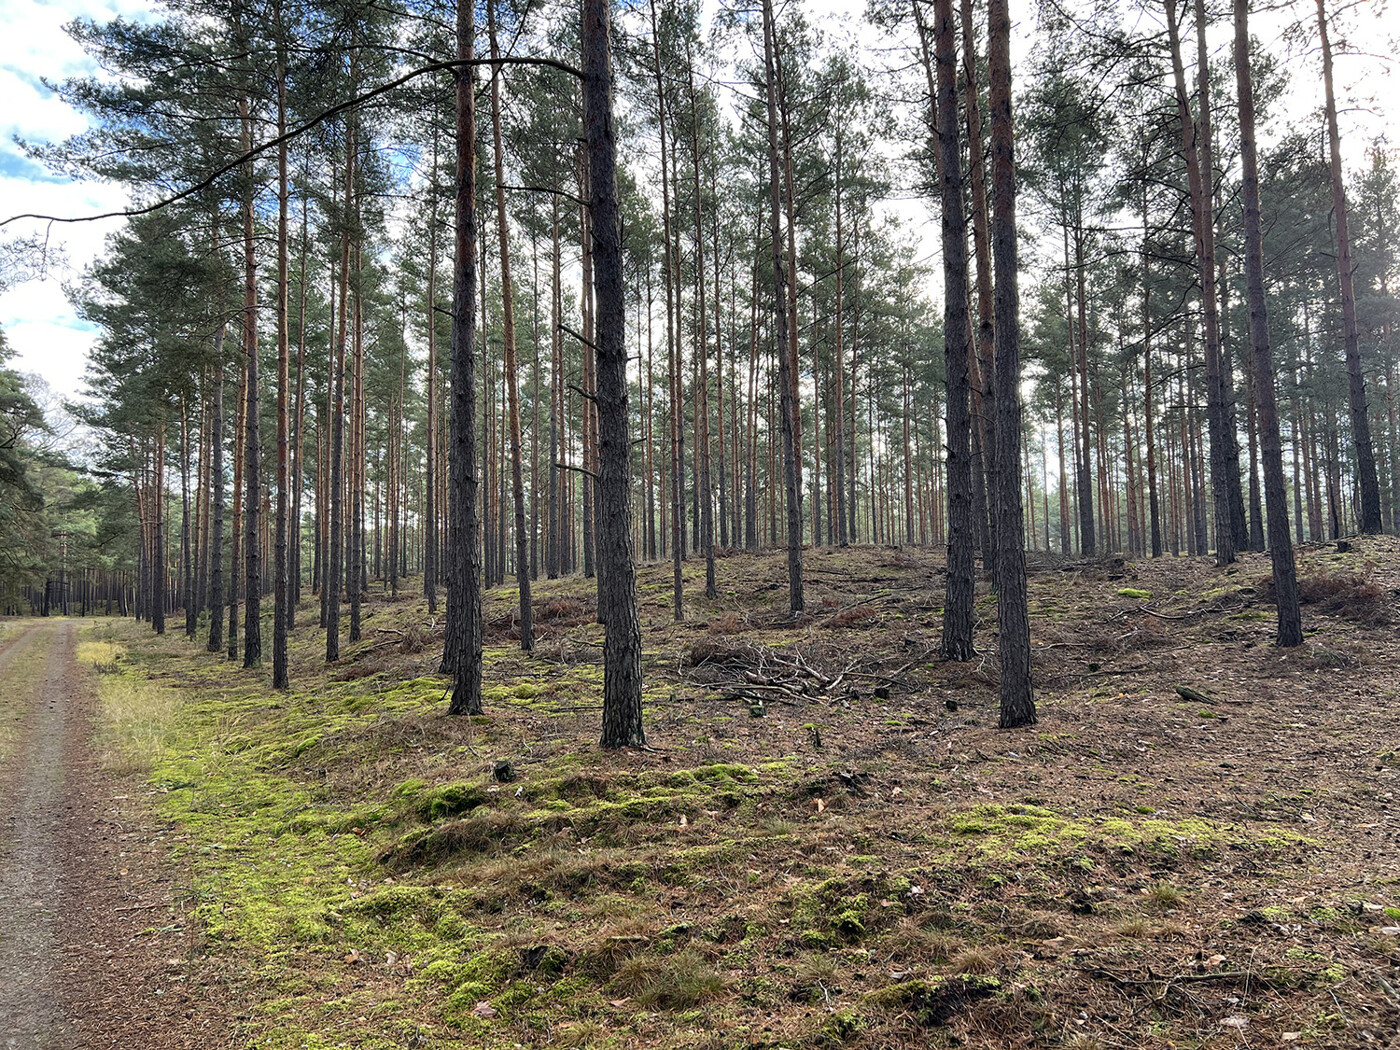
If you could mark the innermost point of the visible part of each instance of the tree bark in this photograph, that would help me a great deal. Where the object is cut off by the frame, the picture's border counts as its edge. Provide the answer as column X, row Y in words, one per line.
column 235, row 537
column 1290, row 623
column 784, row 346
column 1366, row 475
column 462, row 650
column 186, row 553
column 960, row 589
column 670, row 280
column 299, row 430
column 985, row 334
column 281, row 586
column 622, row 642
column 702, row 403
column 430, row 507
column 1154, row 509
column 216, row 476
column 355, row 565
column 522, row 536
column 157, row 559
column 335, row 526
column 553, row 547
column 252, row 472
column 1195, row 150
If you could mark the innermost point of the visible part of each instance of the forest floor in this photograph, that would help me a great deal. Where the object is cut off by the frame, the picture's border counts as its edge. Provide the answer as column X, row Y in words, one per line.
column 828, row 842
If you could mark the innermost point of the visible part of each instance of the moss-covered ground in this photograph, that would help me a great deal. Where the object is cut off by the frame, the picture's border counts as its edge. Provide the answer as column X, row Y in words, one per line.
column 862, row 860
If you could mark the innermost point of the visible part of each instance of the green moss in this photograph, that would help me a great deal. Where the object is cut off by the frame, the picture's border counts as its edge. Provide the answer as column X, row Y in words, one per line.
column 726, row 771
column 409, row 790
column 997, row 832
column 840, row 1028
column 451, row 800
column 390, row 902
column 1133, row 592
column 849, row 923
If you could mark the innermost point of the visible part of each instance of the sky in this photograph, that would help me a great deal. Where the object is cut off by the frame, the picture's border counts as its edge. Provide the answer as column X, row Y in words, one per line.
column 52, row 341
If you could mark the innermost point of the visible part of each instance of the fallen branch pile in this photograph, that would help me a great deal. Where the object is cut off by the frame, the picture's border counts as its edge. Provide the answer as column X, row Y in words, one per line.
column 760, row 675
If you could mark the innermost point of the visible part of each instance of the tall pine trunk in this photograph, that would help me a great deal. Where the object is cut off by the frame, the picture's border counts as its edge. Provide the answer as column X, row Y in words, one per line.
column 622, row 642
column 1195, row 147
column 462, row 651
column 186, row 554
column 281, row 586
column 702, row 403
column 216, row 478
column 252, row 451
column 670, row 283
column 1290, row 623
column 522, row 536
column 430, row 509
column 985, row 335
column 1366, row 476
column 335, row 541
column 157, row 559
column 958, row 606
column 783, row 344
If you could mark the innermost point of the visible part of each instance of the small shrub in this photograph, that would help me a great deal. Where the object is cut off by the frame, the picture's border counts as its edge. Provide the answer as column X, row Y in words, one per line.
column 562, row 611
column 714, row 651
column 726, row 623
column 1338, row 593
column 859, row 616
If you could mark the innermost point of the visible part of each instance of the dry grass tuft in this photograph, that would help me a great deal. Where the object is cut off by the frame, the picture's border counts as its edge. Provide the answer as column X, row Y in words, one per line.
column 1165, row 895
column 105, row 657
column 136, row 723
column 581, row 1034
column 415, row 639
column 974, row 960
column 1135, row 929
column 672, row 982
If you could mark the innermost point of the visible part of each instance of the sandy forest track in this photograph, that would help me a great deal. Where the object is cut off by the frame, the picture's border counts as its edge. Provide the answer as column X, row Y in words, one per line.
column 80, row 966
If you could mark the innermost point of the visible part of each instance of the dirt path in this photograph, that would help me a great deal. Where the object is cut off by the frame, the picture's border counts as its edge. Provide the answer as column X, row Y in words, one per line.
column 81, row 965
column 31, row 858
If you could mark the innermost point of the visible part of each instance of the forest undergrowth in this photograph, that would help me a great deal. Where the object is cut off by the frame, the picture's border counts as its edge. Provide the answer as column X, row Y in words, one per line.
column 827, row 843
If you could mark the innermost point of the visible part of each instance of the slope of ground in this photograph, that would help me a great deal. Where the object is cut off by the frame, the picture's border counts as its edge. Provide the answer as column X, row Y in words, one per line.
column 828, row 843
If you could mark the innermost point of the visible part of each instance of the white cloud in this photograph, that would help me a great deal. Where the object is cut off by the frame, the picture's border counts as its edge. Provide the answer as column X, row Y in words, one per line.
column 41, row 326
